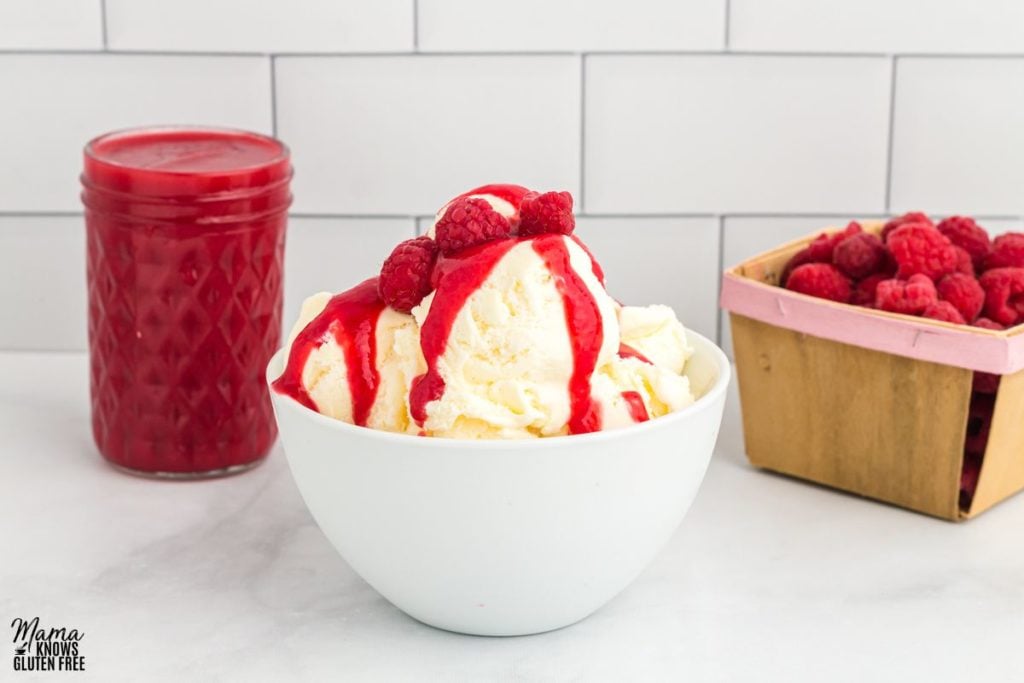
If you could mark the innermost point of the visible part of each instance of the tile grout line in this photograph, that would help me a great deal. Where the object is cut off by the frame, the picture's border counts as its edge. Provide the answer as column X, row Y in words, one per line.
column 41, row 214
column 728, row 23
column 526, row 54
column 415, row 25
column 103, row 24
column 721, row 268
column 583, row 121
column 892, row 130
column 273, row 94
column 580, row 214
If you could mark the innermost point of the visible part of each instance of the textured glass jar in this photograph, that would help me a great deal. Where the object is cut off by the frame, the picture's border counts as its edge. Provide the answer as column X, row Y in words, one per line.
column 185, row 244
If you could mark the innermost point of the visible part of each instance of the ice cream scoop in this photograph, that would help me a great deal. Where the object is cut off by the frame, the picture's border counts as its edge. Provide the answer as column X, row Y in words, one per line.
column 352, row 358
column 496, row 324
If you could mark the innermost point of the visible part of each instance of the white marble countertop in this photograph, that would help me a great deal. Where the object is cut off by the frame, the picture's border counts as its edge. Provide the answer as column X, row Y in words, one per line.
column 767, row 579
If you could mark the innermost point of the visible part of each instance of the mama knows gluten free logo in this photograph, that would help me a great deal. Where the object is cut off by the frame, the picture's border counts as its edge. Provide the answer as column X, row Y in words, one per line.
column 40, row 649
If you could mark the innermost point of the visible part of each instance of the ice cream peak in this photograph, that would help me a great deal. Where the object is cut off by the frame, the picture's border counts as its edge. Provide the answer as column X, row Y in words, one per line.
column 511, row 333
column 511, row 338
column 503, row 198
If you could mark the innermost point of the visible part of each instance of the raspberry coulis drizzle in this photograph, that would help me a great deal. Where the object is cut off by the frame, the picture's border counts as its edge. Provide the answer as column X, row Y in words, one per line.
column 455, row 279
column 513, row 194
column 458, row 277
column 351, row 318
column 627, row 351
column 586, row 333
column 635, row 404
column 634, row 401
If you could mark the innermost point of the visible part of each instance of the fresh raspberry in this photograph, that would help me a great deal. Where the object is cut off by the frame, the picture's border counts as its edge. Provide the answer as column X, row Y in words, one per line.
column 969, row 236
column 822, row 249
column 910, row 297
column 860, row 255
column 1004, row 294
column 550, row 212
column 969, row 476
column 964, row 292
column 979, row 422
column 900, row 221
column 405, row 275
column 864, row 292
column 822, row 280
column 1007, row 252
column 920, row 248
column 987, row 324
column 964, row 264
column 468, row 222
column 985, row 383
column 945, row 311
column 798, row 259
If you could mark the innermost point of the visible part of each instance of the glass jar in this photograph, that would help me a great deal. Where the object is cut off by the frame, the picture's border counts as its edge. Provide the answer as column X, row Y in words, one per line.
column 185, row 244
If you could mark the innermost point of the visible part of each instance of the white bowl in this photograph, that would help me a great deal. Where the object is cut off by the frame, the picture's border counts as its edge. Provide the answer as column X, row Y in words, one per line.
column 504, row 537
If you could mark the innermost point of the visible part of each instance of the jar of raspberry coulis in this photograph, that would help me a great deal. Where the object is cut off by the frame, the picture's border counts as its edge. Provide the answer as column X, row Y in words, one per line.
column 185, row 235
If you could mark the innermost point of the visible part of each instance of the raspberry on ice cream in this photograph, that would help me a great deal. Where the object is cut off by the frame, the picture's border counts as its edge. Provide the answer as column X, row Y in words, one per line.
column 550, row 212
column 468, row 222
column 405, row 275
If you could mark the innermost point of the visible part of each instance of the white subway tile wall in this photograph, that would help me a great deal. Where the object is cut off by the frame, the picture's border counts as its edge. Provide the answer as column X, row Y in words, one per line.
column 959, row 135
column 672, row 261
column 50, row 24
column 570, row 25
column 43, row 297
column 247, row 26
column 735, row 133
column 401, row 135
column 693, row 134
column 60, row 101
column 927, row 26
column 333, row 254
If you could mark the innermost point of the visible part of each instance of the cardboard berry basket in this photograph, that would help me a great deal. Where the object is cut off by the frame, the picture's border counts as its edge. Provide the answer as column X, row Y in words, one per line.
column 867, row 401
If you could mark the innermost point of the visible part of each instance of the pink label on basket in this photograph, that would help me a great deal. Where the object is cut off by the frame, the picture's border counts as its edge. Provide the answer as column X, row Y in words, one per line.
column 956, row 345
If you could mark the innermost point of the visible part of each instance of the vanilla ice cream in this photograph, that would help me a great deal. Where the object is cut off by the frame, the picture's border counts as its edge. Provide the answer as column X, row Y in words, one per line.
column 505, row 330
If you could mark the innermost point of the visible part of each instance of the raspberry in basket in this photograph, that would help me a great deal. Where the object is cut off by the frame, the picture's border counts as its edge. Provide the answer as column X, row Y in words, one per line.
column 920, row 248
column 900, row 221
column 969, row 236
column 910, row 297
column 1007, row 252
column 964, row 293
column 864, row 292
column 945, row 311
column 822, row 280
column 1004, row 294
column 822, row 249
column 860, row 255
